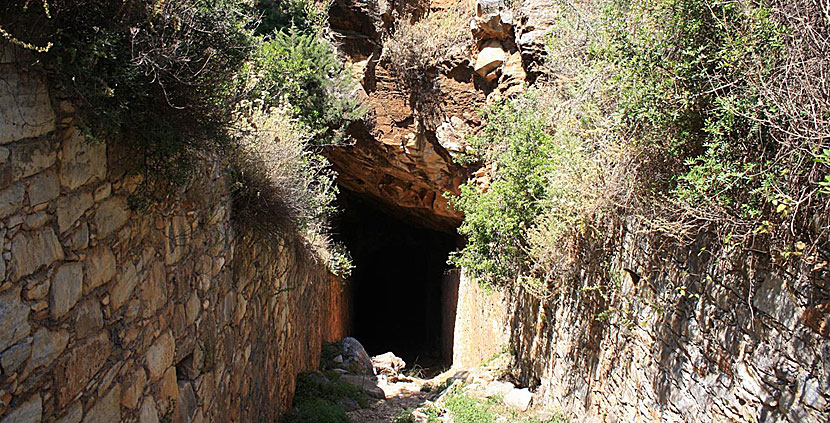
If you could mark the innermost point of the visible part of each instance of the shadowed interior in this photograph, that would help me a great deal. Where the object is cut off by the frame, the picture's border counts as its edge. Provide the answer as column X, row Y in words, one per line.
column 399, row 287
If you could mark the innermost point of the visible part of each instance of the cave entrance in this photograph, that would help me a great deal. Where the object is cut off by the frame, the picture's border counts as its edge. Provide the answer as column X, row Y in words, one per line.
column 403, row 294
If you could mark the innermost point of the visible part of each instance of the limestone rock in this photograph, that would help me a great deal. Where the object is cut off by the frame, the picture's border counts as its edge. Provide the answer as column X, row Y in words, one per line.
column 388, row 364
column 74, row 415
column 16, row 355
column 131, row 391
column 498, row 388
column 67, row 284
column 518, row 399
column 24, row 99
column 33, row 250
column 186, row 403
column 160, row 355
column 355, row 358
column 490, row 59
column 493, row 20
column 112, row 214
column 80, row 365
column 88, row 318
column 99, row 267
column 14, row 318
column 11, row 199
column 71, row 207
column 43, row 187
column 26, row 158
column 106, row 409
column 82, row 161
column 29, row 412
column 148, row 413
column 124, row 286
column 153, row 291
column 47, row 346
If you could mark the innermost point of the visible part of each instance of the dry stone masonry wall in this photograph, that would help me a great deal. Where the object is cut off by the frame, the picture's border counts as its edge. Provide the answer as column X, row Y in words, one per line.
column 111, row 315
column 686, row 337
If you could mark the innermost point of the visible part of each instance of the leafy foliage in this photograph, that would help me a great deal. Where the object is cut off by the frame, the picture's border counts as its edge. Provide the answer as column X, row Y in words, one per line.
column 175, row 81
column 675, row 113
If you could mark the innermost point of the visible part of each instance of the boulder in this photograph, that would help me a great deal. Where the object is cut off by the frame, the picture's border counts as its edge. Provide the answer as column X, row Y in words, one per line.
column 355, row 358
column 388, row 364
column 518, row 399
column 490, row 59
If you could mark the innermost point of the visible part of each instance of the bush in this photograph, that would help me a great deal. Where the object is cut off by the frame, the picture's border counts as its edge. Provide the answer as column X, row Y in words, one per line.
column 302, row 72
column 178, row 80
column 316, row 411
column 677, row 114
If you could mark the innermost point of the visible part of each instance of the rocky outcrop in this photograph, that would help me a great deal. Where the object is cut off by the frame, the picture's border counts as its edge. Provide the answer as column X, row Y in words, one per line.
column 109, row 314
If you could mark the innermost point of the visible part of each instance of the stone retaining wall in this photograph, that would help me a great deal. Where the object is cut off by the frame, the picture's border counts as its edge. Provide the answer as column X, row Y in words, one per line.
column 108, row 314
column 685, row 337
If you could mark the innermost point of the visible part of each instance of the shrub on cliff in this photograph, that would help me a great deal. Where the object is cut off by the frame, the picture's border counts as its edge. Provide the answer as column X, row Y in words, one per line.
column 415, row 48
column 686, row 116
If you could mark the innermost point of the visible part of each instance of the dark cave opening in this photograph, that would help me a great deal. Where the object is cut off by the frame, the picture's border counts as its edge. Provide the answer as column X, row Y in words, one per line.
column 402, row 293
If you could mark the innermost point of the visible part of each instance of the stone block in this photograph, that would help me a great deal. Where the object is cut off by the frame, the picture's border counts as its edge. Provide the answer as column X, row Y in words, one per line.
column 74, row 372
column 111, row 215
column 26, row 158
column 88, row 318
column 43, row 187
column 14, row 318
column 148, row 412
column 186, row 403
column 16, row 355
column 11, row 199
column 74, row 415
column 47, row 346
column 24, row 99
column 107, row 409
column 132, row 390
column 33, row 250
column 29, row 412
column 82, row 161
column 79, row 239
column 153, row 291
column 99, row 267
column 67, row 284
column 71, row 207
column 160, row 355
column 124, row 286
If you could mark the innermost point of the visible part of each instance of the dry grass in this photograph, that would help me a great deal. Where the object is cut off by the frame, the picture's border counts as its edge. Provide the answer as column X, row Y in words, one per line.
column 415, row 48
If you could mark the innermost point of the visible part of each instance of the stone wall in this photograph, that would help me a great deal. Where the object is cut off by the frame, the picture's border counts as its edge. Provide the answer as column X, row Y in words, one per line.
column 481, row 329
column 108, row 314
column 684, row 336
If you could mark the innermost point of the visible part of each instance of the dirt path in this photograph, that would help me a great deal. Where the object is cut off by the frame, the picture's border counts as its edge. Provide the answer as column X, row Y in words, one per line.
column 400, row 396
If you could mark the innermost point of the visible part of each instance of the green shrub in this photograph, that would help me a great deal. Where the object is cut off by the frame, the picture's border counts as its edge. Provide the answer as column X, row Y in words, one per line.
column 678, row 114
column 316, row 411
column 302, row 72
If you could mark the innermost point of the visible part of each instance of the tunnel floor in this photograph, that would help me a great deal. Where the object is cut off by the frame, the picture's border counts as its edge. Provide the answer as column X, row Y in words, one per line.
column 399, row 294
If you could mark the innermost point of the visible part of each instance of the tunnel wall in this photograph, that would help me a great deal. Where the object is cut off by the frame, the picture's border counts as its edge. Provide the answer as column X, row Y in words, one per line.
column 171, row 314
column 743, row 340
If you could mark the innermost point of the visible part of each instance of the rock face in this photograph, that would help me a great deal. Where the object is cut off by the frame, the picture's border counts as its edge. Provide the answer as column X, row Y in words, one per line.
column 398, row 160
column 170, row 314
column 403, row 155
